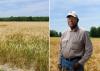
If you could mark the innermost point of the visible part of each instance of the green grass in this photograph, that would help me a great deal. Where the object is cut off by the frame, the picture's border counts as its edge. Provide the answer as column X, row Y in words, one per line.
column 1, row 70
column 25, row 51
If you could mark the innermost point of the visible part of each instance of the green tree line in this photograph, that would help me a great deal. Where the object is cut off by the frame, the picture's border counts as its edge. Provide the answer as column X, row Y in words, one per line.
column 94, row 32
column 54, row 33
column 24, row 18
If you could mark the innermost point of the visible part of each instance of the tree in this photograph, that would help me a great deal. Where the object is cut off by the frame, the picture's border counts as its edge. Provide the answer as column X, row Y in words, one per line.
column 98, row 32
column 53, row 33
column 60, row 34
column 93, row 32
column 24, row 18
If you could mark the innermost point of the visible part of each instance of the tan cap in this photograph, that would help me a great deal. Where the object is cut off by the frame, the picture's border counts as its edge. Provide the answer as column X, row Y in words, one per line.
column 72, row 13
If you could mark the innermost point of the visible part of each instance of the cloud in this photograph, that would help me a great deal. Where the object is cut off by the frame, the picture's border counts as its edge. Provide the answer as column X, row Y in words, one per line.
column 24, row 8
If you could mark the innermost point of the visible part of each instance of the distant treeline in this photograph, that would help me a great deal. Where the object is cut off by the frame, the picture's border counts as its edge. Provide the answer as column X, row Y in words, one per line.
column 54, row 33
column 30, row 18
column 94, row 32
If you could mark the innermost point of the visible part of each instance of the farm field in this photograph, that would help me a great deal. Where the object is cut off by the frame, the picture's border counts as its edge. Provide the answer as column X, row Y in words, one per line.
column 24, row 46
column 92, row 65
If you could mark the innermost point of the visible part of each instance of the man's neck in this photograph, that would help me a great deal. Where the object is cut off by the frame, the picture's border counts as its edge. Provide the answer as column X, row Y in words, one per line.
column 74, row 29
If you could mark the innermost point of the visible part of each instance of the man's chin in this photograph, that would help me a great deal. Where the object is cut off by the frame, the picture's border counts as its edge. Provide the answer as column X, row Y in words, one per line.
column 72, row 27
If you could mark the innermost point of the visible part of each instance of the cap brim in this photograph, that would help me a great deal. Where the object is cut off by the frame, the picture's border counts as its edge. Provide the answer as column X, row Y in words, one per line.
column 69, row 16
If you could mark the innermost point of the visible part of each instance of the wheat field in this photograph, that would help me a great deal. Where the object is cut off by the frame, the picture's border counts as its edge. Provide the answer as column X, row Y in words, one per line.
column 24, row 46
column 92, row 65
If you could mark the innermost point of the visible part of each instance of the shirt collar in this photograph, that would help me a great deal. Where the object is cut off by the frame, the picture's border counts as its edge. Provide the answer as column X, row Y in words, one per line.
column 74, row 30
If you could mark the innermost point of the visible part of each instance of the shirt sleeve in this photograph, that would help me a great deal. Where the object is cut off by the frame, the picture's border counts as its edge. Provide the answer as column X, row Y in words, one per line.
column 88, row 48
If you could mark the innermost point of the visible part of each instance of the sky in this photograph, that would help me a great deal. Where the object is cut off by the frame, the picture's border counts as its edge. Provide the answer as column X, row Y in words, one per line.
column 24, row 8
column 88, row 12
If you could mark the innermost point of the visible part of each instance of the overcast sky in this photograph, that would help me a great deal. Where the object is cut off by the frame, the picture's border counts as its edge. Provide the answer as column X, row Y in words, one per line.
column 24, row 8
column 87, row 10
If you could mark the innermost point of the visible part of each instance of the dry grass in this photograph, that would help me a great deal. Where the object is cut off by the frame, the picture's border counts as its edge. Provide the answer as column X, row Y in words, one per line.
column 33, row 28
column 25, row 45
column 92, row 65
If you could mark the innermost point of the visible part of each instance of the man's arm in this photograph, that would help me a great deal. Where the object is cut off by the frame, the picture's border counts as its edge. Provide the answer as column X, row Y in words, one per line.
column 88, row 48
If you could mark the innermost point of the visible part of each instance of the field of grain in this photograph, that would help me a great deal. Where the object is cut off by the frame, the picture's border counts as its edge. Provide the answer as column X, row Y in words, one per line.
column 92, row 65
column 24, row 46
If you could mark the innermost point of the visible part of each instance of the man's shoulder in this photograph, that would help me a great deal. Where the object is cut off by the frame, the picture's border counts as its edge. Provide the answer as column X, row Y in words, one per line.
column 65, row 32
column 83, row 31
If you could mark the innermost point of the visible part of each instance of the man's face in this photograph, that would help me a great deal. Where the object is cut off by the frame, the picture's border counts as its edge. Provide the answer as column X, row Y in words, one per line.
column 72, row 22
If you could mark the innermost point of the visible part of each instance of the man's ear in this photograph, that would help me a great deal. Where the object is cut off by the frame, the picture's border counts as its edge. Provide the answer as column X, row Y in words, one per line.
column 77, row 20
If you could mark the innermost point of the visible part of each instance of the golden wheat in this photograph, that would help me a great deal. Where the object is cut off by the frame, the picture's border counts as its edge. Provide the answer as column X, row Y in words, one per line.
column 92, row 65
column 25, row 45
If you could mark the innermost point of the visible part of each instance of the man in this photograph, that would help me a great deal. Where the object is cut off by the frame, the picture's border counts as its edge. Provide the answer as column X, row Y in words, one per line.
column 75, row 46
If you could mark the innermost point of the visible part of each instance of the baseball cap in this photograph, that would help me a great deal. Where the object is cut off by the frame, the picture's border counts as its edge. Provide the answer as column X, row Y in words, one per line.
column 72, row 13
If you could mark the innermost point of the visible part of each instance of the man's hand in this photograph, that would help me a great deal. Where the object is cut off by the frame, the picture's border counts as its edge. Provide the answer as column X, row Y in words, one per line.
column 76, row 66
column 59, row 67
